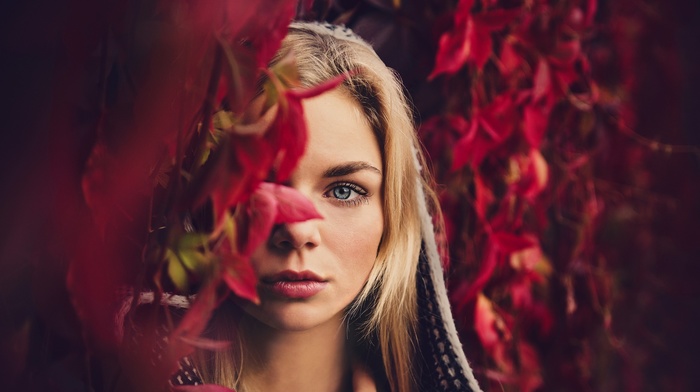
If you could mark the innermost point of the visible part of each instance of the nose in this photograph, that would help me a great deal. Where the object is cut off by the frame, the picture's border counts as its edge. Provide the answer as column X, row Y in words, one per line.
column 298, row 235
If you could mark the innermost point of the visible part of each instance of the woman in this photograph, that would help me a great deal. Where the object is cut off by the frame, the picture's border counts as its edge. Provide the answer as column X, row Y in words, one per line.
column 356, row 300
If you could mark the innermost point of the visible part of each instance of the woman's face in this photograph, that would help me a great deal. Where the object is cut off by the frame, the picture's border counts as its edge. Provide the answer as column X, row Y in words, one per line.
column 311, row 271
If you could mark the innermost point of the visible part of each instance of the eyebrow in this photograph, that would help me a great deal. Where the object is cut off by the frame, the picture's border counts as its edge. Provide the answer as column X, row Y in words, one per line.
column 347, row 168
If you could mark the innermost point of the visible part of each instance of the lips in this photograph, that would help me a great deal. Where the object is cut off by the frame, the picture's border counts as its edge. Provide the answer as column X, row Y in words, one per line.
column 293, row 284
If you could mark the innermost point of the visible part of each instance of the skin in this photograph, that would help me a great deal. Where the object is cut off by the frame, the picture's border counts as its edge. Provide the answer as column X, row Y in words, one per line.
column 301, row 342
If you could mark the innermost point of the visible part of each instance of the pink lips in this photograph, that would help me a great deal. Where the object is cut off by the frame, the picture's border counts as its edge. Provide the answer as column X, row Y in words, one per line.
column 294, row 285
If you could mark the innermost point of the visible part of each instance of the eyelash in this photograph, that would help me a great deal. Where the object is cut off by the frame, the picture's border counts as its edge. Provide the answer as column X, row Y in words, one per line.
column 362, row 194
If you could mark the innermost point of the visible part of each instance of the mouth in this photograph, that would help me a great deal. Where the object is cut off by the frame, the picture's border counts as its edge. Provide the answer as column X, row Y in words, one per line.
column 293, row 285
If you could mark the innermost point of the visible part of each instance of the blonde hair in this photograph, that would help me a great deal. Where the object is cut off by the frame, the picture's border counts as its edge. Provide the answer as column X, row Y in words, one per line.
column 389, row 296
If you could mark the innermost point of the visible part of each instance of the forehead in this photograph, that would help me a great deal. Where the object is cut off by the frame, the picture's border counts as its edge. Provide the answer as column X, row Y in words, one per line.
column 338, row 132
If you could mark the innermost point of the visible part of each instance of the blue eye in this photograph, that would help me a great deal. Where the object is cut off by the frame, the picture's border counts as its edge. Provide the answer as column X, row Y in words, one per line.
column 347, row 194
column 342, row 192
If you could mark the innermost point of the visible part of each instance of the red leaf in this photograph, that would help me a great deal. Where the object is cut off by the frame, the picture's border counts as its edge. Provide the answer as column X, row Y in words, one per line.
column 240, row 277
column 520, row 292
column 488, row 266
column 261, row 213
column 529, row 372
column 535, row 122
column 197, row 316
column 454, row 46
column 542, row 83
column 224, row 181
column 534, row 177
column 566, row 51
column 491, row 126
column 439, row 133
column 463, row 149
column 470, row 39
column 484, row 197
column 509, row 243
column 510, row 59
column 492, row 332
column 191, row 326
column 289, row 138
column 319, row 89
column 481, row 45
column 484, row 323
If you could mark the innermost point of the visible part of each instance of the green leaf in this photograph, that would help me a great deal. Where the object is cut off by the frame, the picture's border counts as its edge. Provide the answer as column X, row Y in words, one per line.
column 177, row 272
column 192, row 251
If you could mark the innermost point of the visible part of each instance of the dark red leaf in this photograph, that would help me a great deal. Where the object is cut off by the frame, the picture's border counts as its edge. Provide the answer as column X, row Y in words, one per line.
column 496, row 19
column 591, row 9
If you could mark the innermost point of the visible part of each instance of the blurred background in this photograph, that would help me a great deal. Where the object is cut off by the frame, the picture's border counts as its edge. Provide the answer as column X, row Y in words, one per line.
column 563, row 140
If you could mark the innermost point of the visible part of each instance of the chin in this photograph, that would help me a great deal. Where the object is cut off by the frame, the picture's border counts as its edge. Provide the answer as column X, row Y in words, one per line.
column 293, row 316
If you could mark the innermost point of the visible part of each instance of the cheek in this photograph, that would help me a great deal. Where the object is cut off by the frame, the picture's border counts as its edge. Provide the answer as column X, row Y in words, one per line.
column 354, row 238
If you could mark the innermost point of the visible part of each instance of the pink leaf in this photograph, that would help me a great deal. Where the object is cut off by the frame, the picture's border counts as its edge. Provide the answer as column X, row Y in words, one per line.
column 272, row 204
column 292, row 206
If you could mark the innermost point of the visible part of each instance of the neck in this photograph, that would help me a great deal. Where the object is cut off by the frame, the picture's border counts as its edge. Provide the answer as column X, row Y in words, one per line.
column 310, row 360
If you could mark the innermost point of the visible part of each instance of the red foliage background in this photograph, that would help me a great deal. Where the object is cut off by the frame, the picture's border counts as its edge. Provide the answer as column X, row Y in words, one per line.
column 562, row 135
